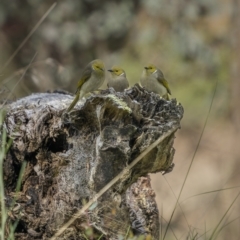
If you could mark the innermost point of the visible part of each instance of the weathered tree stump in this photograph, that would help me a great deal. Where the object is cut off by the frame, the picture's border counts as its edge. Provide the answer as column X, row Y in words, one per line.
column 70, row 157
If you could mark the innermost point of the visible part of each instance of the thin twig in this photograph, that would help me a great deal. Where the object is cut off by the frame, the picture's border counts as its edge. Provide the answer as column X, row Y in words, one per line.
column 112, row 182
column 19, row 79
column 193, row 157
column 224, row 215
column 28, row 36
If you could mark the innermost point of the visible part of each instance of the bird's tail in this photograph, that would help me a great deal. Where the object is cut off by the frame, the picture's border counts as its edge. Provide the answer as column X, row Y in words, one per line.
column 74, row 102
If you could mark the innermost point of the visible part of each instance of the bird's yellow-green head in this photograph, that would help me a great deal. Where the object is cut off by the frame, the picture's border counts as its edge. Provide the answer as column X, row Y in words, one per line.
column 150, row 69
column 98, row 66
column 117, row 71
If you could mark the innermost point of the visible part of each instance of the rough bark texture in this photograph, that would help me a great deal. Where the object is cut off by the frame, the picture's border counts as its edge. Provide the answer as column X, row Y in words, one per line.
column 70, row 157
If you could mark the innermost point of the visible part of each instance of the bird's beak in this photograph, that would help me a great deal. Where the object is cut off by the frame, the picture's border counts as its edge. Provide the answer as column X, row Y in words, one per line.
column 146, row 68
column 110, row 70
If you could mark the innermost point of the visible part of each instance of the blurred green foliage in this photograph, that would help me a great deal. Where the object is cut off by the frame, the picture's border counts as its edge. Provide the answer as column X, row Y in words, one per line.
column 188, row 40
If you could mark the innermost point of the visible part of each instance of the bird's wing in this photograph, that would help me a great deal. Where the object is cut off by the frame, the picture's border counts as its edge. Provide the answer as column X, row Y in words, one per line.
column 85, row 76
column 164, row 82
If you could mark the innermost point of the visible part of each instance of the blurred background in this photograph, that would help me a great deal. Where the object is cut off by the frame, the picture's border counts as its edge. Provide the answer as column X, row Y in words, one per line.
column 194, row 43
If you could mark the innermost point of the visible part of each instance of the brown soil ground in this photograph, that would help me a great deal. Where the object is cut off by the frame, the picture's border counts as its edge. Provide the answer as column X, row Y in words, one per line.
column 215, row 166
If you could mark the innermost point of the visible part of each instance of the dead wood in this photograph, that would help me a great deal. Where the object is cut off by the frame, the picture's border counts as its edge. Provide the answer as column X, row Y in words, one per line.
column 70, row 157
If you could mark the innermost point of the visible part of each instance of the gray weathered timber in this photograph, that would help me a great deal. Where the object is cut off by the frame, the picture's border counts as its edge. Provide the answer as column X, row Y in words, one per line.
column 70, row 157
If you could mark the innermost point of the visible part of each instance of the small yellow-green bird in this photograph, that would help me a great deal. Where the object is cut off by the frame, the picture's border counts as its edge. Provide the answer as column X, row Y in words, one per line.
column 92, row 78
column 154, row 81
column 118, row 79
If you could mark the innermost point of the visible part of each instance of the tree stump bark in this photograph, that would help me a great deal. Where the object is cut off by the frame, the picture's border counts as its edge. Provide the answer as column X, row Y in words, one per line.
column 70, row 157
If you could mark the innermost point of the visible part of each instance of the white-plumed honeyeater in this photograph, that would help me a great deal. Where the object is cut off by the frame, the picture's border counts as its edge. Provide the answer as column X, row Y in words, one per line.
column 117, row 79
column 154, row 81
column 91, row 80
